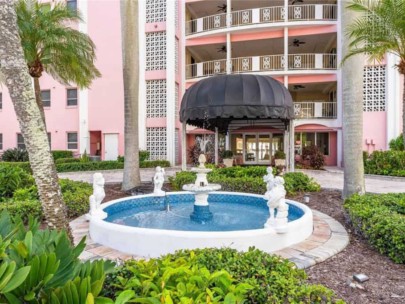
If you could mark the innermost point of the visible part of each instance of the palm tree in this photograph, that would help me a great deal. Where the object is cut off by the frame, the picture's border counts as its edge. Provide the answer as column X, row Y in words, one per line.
column 51, row 46
column 352, row 83
column 15, row 75
column 129, row 23
column 380, row 29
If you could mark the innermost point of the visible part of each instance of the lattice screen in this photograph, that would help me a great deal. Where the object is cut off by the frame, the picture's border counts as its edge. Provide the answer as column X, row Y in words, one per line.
column 155, row 11
column 156, row 51
column 156, row 143
column 374, row 88
column 155, row 98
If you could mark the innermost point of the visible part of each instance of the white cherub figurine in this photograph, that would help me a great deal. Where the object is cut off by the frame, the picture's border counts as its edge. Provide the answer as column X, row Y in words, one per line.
column 159, row 180
column 276, row 199
column 97, row 197
column 269, row 179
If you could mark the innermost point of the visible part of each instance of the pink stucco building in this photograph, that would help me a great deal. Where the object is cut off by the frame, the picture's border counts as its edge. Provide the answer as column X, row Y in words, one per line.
column 183, row 41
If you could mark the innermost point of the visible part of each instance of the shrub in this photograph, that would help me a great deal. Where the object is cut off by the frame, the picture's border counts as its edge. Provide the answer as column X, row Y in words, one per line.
column 67, row 160
column 89, row 166
column 247, row 179
column 254, row 275
column 386, row 163
column 279, row 154
column 23, row 209
column 15, row 155
column 397, row 144
column 13, row 178
column 226, row 154
column 154, row 163
column 314, row 156
column 62, row 154
column 23, row 165
column 380, row 219
column 143, row 156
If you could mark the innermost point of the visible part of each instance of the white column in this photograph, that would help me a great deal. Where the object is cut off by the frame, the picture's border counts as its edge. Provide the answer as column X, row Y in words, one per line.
column 339, row 87
column 142, row 81
column 228, row 54
column 393, row 98
column 291, row 154
column 286, row 10
column 285, row 48
column 339, row 148
column 183, row 147
column 170, row 80
column 216, row 146
column 84, row 135
column 286, row 149
column 227, row 141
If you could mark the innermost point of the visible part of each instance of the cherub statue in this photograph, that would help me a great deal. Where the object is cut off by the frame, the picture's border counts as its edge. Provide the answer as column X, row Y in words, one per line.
column 159, row 180
column 269, row 179
column 97, row 197
column 276, row 199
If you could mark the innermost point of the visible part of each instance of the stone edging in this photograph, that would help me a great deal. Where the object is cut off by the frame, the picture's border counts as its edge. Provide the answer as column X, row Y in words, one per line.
column 328, row 238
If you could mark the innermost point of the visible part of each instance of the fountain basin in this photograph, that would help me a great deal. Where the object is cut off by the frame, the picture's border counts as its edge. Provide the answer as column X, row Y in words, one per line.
column 148, row 238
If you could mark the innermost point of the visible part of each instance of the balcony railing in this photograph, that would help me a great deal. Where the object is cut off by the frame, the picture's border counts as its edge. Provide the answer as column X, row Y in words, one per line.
column 265, row 63
column 310, row 12
column 315, row 109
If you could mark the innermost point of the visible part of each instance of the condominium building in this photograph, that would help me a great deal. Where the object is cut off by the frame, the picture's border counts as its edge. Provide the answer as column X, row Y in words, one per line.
column 297, row 42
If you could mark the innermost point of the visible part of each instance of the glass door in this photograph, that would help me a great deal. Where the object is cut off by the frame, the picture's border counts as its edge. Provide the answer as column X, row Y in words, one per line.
column 277, row 143
column 250, row 148
column 264, row 148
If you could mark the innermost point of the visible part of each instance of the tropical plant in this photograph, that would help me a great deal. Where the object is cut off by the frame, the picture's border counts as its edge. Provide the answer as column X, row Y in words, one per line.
column 227, row 154
column 51, row 45
column 279, row 154
column 352, row 111
column 379, row 30
column 129, row 20
column 314, row 156
column 15, row 155
column 397, row 144
column 19, row 84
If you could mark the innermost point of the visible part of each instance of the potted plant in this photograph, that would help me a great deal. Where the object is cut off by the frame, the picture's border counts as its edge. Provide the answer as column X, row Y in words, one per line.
column 227, row 157
column 279, row 159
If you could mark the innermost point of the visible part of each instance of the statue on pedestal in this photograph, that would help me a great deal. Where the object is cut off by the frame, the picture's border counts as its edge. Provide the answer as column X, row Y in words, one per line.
column 275, row 196
column 97, row 197
column 159, row 180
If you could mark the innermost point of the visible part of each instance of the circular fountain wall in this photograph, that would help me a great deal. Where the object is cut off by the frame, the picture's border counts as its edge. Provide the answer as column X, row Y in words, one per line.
column 150, row 225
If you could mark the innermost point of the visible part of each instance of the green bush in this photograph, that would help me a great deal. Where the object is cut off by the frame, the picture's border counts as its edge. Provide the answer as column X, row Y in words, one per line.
column 226, row 154
column 154, row 163
column 13, row 178
column 381, row 219
column 23, row 209
column 314, row 156
column 62, row 154
column 23, row 165
column 67, row 160
column 386, row 163
column 279, row 154
column 143, row 156
column 254, row 275
column 15, row 155
column 397, row 144
column 89, row 166
column 246, row 179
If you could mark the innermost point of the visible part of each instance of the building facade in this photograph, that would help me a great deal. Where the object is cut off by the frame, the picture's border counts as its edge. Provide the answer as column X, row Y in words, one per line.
column 184, row 41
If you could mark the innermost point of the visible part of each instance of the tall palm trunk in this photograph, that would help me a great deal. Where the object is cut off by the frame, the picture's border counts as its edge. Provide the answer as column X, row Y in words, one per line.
column 19, row 84
column 129, row 19
column 38, row 98
column 352, row 113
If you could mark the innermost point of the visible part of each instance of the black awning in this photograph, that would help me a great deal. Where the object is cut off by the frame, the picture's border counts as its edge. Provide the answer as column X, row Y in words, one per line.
column 216, row 101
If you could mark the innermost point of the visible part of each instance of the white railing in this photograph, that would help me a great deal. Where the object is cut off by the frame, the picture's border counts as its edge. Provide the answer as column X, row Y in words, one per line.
column 311, row 61
column 265, row 63
column 310, row 12
column 315, row 109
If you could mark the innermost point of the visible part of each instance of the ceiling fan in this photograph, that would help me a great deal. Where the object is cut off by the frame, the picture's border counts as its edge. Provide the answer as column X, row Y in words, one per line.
column 297, row 43
column 298, row 86
column 222, row 8
column 296, row 1
column 222, row 49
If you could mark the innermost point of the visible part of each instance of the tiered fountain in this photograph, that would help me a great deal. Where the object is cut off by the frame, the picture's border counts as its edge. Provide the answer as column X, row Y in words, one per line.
column 201, row 188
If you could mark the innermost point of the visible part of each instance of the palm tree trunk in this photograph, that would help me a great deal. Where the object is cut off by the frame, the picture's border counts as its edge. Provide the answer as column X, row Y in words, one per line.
column 129, row 19
column 38, row 98
column 352, row 114
column 19, row 84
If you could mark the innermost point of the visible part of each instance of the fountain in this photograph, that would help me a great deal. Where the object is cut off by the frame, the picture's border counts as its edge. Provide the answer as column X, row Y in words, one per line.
column 201, row 188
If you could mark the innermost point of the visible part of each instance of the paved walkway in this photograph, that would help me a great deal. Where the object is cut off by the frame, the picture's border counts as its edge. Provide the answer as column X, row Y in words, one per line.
column 331, row 178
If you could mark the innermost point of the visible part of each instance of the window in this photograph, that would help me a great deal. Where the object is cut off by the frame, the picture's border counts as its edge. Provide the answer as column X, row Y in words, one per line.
column 46, row 98
column 72, row 141
column 307, row 139
column 322, row 142
column 1, row 141
column 72, row 4
column 20, row 141
column 71, row 97
column 1, row 101
column 49, row 140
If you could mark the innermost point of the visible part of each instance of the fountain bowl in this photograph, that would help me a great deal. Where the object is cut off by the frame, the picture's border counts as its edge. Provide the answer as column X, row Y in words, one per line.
column 152, row 241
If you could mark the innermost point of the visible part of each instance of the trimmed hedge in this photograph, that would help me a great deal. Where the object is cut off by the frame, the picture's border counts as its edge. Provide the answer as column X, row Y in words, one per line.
column 23, row 209
column 385, row 163
column 246, row 179
column 262, row 277
column 57, row 154
column 381, row 220
column 67, row 160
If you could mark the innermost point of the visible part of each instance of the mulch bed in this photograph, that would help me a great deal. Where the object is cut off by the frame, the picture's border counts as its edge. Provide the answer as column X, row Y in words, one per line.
column 387, row 279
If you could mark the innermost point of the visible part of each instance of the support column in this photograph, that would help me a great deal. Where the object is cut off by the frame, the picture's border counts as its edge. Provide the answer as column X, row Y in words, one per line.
column 291, row 152
column 286, row 148
column 339, row 148
column 227, row 141
column 183, row 147
column 286, row 49
column 216, row 146
column 393, row 98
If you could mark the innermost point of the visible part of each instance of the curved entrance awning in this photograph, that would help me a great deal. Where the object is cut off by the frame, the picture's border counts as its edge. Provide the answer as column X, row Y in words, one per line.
column 217, row 101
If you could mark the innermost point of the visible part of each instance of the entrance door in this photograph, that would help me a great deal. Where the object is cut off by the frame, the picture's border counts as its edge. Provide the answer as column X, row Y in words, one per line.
column 264, row 148
column 110, row 146
column 250, row 148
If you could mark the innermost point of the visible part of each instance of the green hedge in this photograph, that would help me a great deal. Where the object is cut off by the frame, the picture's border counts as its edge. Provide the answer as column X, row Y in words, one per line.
column 67, row 160
column 247, row 179
column 252, row 277
column 385, row 163
column 106, row 165
column 57, row 154
column 22, row 209
column 381, row 219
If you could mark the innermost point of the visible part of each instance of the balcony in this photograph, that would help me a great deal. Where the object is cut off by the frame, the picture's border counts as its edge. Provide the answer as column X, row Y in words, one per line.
column 267, row 63
column 315, row 109
column 263, row 15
